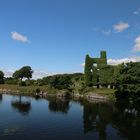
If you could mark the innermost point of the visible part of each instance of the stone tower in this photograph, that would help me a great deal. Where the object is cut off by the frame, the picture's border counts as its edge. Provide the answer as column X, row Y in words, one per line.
column 92, row 67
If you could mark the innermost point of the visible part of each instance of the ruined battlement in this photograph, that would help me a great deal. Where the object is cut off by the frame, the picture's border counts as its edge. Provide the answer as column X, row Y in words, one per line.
column 92, row 66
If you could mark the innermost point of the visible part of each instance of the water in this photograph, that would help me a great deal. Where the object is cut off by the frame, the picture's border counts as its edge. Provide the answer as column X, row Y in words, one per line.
column 26, row 118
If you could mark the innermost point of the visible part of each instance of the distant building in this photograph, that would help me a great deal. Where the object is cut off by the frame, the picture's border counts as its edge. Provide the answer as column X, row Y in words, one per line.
column 97, row 71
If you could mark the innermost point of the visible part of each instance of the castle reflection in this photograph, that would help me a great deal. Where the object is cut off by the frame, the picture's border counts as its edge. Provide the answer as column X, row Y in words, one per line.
column 97, row 116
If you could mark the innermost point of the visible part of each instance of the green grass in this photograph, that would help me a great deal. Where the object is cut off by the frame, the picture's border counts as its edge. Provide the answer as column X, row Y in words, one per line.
column 31, row 90
column 104, row 91
column 28, row 90
column 109, row 93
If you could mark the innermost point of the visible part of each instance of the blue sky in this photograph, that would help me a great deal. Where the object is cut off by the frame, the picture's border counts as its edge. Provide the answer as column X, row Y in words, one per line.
column 55, row 35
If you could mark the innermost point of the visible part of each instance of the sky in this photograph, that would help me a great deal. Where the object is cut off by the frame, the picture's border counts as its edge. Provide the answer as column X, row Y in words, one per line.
column 53, row 36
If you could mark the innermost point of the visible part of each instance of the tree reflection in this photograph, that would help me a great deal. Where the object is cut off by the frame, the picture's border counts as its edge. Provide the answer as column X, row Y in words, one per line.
column 121, row 116
column 59, row 105
column 22, row 107
column 127, row 120
column 0, row 98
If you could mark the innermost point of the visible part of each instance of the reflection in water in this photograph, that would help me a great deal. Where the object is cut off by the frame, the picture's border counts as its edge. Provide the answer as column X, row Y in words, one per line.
column 11, row 130
column 21, row 106
column 127, row 120
column 59, row 105
column 0, row 97
column 97, row 116
column 38, row 98
column 84, row 120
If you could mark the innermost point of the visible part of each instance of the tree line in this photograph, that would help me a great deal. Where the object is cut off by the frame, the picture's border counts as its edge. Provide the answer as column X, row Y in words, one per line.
column 23, row 77
column 18, row 75
column 125, row 78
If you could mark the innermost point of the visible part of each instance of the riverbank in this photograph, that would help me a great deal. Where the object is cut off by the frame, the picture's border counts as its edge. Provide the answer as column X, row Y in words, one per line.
column 23, row 90
column 90, row 93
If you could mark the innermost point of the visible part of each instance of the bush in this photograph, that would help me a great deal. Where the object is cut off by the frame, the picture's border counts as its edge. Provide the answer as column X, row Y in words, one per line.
column 128, row 82
column 30, row 82
column 37, row 90
column 1, row 77
column 22, row 83
column 11, row 81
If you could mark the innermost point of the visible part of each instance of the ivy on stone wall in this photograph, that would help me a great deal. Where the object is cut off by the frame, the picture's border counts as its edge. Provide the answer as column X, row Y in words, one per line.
column 106, row 75
column 92, row 72
column 88, row 71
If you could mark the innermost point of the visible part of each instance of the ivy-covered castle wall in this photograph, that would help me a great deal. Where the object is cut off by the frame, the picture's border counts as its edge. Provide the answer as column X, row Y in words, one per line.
column 97, row 72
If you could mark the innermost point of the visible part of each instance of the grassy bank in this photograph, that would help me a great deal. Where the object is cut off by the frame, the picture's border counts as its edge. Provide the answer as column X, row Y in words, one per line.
column 109, row 93
column 28, row 90
column 31, row 90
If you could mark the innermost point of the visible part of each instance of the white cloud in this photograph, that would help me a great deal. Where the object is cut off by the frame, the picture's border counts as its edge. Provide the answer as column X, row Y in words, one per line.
column 106, row 32
column 120, row 27
column 136, row 12
column 36, row 75
column 136, row 47
column 83, row 65
column 123, row 60
column 7, row 72
column 99, row 30
column 39, row 74
column 119, row 61
column 19, row 37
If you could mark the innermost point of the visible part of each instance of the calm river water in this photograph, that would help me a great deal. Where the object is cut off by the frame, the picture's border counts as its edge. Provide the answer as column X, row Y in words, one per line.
column 27, row 118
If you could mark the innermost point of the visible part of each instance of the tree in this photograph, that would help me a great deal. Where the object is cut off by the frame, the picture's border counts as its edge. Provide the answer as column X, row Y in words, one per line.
column 24, row 72
column 60, row 81
column 1, row 77
column 27, row 72
column 10, row 81
column 106, row 75
column 18, row 74
column 128, row 82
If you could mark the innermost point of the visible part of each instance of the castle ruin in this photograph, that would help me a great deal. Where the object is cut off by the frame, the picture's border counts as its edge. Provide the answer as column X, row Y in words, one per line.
column 92, row 68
